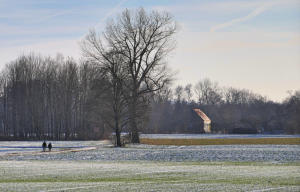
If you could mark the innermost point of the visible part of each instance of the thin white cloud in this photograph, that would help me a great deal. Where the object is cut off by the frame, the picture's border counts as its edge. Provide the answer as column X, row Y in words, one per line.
column 251, row 15
column 264, row 6
column 109, row 13
column 37, row 33
column 33, row 15
column 209, row 7
column 53, row 16
column 68, row 47
column 231, row 6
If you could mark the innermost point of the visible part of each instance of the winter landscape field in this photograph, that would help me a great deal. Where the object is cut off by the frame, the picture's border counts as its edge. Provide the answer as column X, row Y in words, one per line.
column 145, row 95
column 98, row 166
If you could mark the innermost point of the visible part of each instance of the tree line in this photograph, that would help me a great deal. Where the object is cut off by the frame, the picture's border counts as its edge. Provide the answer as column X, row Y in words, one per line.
column 57, row 98
column 229, row 108
column 122, row 83
column 46, row 97
column 49, row 98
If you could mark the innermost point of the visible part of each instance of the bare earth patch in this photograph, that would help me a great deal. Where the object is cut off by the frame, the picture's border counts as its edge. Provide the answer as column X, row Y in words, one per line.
column 222, row 141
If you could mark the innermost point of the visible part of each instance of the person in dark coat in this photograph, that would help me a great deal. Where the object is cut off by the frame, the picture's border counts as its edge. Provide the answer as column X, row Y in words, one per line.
column 44, row 145
column 50, row 146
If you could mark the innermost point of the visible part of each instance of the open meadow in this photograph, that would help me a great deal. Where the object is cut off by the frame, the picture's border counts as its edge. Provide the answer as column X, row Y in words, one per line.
column 97, row 166
column 148, row 176
column 149, row 96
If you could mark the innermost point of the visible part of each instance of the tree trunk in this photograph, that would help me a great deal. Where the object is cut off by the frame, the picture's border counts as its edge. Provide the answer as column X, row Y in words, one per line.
column 134, row 134
column 118, row 135
column 132, row 122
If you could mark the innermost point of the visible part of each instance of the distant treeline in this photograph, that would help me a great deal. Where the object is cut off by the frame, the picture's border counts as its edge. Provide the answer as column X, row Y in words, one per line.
column 45, row 98
column 57, row 98
column 231, row 110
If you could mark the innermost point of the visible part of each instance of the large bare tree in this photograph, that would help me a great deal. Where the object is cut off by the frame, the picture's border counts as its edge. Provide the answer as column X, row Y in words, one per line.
column 143, row 40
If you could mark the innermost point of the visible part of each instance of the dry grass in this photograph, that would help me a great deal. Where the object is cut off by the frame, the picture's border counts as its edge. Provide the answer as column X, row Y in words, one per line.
column 226, row 141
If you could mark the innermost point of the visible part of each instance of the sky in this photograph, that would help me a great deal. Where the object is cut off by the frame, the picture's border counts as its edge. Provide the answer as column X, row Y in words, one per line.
column 252, row 44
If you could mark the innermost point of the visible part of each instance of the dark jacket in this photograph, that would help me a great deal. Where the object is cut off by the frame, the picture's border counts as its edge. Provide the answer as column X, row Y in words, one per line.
column 44, row 145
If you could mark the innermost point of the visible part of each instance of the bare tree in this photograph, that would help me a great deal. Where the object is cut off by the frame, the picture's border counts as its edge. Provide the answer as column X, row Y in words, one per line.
column 144, row 40
column 292, row 112
column 178, row 93
column 110, row 62
column 208, row 92
column 188, row 92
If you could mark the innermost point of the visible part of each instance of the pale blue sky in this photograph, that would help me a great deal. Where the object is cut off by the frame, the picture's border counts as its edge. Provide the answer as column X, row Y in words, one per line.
column 251, row 44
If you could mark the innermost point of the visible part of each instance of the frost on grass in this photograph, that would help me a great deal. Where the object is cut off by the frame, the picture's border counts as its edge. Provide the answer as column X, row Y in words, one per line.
column 116, row 186
column 27, row 147
column 273, row 153
column 153, row 168
column 146, row 176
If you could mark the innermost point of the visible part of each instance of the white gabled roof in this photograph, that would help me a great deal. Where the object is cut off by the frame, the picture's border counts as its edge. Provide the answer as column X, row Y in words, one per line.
column 203, row 116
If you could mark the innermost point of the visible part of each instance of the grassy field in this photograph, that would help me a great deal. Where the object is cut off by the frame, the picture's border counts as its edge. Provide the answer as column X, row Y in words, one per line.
column 253, row 168
column 221, row 141
column 147, row 176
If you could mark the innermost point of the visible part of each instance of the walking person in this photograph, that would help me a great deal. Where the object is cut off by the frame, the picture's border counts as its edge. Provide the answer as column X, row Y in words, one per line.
column 50, row 146
column 44, row 145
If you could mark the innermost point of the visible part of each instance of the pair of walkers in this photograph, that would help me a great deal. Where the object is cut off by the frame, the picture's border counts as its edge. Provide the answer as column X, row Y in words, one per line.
column 44, row 145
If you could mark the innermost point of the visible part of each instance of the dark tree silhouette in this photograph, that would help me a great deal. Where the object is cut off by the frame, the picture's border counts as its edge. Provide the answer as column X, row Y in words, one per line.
column 143, row 40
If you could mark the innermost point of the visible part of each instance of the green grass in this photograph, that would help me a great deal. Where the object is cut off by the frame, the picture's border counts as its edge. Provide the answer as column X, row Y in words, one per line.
column 167, row 178
column 170, row 179
column 189, row 176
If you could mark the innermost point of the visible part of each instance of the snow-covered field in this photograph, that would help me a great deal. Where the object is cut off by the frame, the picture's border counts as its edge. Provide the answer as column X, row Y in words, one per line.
column 149, row 168
column 8, row 147
column 147, row 176
column 104, row 152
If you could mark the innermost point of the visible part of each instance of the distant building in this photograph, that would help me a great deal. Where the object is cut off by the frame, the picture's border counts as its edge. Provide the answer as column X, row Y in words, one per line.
column 206, row 120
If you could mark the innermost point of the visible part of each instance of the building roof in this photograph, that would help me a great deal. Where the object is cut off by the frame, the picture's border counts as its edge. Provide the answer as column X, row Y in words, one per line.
column 203, row 116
